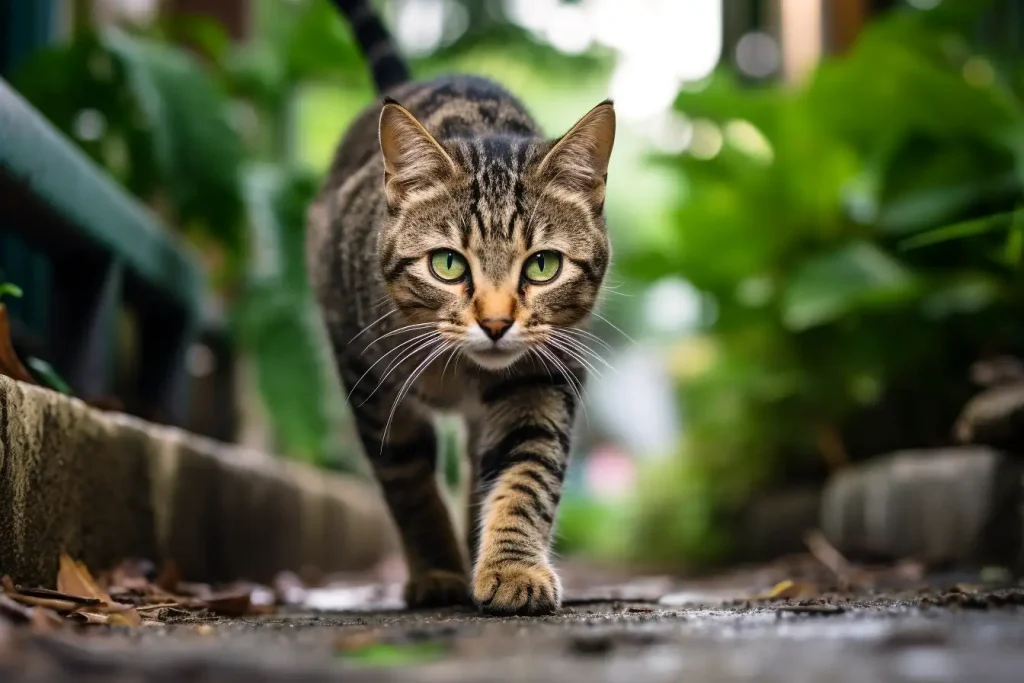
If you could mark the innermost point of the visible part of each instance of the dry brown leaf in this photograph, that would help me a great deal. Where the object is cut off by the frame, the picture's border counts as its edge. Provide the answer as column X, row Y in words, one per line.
column 787, row 589
column 90, row 618
column 10, row 365
column 169, row 577
column 75, row 578
column 156, row 606
column 230, row 605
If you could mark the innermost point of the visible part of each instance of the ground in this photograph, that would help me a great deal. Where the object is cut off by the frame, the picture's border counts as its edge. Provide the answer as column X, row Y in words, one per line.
column 945, row 628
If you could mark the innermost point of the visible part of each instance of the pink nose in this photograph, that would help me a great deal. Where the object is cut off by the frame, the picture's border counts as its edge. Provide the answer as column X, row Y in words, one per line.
column 495, row 327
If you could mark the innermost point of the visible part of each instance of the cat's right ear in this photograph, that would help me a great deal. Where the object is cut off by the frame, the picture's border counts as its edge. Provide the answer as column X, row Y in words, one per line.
column 413, row 159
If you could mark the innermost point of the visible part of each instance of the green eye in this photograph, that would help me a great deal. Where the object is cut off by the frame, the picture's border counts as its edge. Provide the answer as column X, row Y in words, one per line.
column 447, row 265
column 542, row 266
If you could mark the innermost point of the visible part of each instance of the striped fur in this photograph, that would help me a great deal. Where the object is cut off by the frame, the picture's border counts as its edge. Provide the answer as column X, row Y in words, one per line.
column 458, row 164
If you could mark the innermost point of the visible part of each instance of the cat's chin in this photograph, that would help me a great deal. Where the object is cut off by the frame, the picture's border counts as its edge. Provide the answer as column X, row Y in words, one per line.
column 495, row 359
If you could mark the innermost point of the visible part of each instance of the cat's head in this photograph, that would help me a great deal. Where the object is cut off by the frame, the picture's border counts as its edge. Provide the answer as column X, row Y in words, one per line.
column 496, row 244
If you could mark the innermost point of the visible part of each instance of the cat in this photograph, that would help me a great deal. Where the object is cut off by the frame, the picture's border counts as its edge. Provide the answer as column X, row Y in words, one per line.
column 455, row 255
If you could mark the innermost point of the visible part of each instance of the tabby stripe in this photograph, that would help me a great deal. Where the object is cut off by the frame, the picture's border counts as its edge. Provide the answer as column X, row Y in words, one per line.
column 536, row 477
column 588, row 270
column 514, row 530
column 423, row 448
column 517, row 510
column 400, row 267
column 515, row 385
column 538, row 504
column 499, row 457
column 513, row 546
column 555, row 468
column 516, row 554
column 474, row 202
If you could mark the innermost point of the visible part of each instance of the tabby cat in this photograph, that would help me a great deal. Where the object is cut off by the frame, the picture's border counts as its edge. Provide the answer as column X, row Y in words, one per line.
column 455, row 254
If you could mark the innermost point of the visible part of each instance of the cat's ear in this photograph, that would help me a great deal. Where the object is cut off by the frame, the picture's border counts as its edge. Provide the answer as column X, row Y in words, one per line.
column 579, row 159
column 413, row 159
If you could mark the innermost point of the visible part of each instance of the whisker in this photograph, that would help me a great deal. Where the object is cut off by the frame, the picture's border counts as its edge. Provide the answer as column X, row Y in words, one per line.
column 586, row 334
column 613, row 326
column 394, row 365
column 582, row 348
column 410, row 380
column 575, row 355
column 575, row 385
column 363, row 331
column 377, row 362
column 405, row 328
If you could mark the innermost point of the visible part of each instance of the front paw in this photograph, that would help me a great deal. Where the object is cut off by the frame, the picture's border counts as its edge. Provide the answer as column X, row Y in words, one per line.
column 507, row 589
column 437, row 588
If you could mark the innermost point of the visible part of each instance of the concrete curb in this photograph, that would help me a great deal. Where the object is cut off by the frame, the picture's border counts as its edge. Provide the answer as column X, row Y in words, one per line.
column 104, row 487
column 959, row 506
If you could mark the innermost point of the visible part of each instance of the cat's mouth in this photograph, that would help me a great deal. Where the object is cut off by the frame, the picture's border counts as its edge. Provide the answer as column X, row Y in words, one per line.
column 495, row 358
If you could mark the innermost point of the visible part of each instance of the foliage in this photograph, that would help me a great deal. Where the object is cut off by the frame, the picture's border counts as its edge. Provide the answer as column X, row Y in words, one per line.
column 860, row 239
column 9, row 289
column 168, row 129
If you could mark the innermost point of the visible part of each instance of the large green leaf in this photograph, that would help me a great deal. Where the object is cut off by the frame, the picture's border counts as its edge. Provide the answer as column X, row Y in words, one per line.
column 839, row 282
column 198, row 152
column 277, row 322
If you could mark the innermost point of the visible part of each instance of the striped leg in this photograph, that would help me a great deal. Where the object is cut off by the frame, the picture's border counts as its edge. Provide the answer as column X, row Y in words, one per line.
column 407, row 471
column 524, row 435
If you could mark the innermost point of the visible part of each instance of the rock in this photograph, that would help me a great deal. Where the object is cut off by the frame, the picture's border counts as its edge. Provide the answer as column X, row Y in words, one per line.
column 104, row 487
column 956, row 505
column 995, row 417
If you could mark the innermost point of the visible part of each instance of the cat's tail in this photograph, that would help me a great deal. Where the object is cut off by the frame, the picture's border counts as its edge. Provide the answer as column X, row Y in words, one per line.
column 375, row 42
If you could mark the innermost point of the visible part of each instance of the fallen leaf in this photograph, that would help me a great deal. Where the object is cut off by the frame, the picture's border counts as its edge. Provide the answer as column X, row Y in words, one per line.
column 230, row 605
column 169, row 577
column 90, row 618
column 787, row 589
column 74, row 578
column 157, row 606
column 389, row 654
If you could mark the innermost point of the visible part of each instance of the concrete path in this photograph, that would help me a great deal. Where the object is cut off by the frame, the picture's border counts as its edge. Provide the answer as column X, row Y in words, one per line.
column 919, row 634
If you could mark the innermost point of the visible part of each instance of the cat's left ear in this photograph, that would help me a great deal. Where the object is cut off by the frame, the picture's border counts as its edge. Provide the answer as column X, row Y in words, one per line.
column 579, row 159
column 413, row 159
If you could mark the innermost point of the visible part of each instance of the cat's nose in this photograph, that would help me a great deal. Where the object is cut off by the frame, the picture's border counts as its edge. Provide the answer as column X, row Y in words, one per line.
column 496, row 327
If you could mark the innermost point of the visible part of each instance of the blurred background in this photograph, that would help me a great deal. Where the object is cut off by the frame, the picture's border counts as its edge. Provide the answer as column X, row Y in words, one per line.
column 815, row 208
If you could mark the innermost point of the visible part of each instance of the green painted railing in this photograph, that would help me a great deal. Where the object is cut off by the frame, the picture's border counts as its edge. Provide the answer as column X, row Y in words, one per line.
column 84, row 252
column 90, row 251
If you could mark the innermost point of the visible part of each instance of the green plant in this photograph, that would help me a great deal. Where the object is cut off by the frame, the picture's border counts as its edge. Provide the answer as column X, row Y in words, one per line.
column 845, row 315
column 9, row 289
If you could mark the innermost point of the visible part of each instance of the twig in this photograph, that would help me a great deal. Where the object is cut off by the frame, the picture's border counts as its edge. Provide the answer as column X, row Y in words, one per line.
column 56, row 595
column 832, row 559
column 163, row 605
column 50, row 603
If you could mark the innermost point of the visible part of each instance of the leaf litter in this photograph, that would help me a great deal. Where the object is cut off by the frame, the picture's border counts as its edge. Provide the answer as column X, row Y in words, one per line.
column 130, row 595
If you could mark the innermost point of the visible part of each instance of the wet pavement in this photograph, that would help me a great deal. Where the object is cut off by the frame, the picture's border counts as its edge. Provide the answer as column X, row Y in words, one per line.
column 637, row 631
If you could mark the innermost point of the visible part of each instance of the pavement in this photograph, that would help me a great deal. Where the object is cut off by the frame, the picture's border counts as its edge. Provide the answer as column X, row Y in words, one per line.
column 941, row 629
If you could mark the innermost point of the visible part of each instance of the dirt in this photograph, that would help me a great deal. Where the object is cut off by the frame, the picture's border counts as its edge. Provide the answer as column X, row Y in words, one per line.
column 731, row 629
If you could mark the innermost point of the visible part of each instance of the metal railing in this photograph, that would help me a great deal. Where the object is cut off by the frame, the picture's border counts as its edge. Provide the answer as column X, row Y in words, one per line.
column 87, row 256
